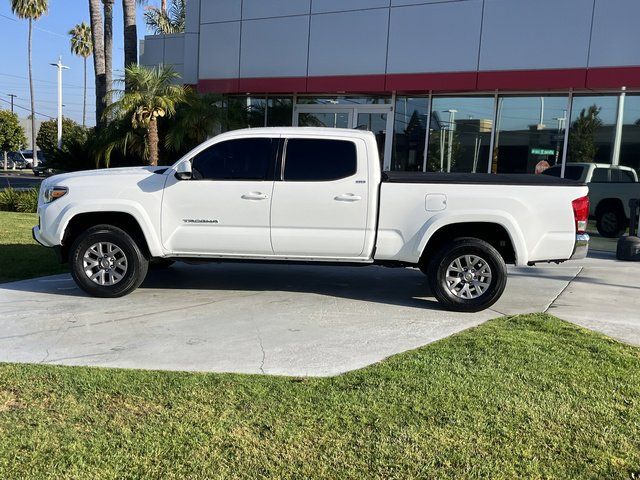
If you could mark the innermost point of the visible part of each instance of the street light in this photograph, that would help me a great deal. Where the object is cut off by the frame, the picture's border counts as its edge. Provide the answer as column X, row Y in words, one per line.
column 60, row 67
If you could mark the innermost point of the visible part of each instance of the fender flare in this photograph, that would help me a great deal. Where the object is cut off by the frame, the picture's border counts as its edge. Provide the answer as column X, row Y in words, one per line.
column 117, row 206
column 505, row 220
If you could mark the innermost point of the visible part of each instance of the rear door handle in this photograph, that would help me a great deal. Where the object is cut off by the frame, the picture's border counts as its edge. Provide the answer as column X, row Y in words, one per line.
column 255, row 196
column 348, row 197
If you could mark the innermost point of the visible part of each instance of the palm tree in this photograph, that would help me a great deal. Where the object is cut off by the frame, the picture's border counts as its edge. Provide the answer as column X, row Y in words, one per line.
column 152, row 94
column 161, row 21
column 197, row 119
column 82, row 46
column 130, row 32
column 97, row 37
column 108, row 47
column 31, row 10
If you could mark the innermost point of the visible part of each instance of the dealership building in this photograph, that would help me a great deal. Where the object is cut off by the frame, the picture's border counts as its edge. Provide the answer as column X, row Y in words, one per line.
column 498, row 86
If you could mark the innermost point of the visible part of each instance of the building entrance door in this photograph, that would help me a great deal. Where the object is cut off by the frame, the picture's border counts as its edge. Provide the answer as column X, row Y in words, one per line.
column 376, row 118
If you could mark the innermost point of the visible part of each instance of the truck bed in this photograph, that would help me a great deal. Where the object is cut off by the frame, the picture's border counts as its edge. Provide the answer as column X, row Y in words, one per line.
column 477, row 179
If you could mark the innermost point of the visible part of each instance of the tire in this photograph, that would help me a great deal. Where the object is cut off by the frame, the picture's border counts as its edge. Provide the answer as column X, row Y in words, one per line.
column 477, row 292
column 118, row 278
column 160, row 263
column 611, row 220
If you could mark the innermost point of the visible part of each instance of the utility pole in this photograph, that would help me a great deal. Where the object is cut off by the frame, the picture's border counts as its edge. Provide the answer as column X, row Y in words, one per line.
column 12, row 96
column 452, row 123
column 60, row 67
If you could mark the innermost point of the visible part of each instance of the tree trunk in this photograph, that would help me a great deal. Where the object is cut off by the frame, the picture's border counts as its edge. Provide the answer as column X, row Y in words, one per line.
column 108, row 48
column 34, row 147
column 97, row 36
column 163, row 7
column 6, row 163
column 130, row 34
column 154, row 141
column 84, row 101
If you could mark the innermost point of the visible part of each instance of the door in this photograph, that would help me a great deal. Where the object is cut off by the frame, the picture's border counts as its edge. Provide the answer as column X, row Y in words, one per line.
column 320, row 205
column 375, row 118
column 225, row 207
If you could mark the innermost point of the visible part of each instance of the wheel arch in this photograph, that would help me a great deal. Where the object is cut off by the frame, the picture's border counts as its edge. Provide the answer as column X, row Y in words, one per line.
column 126, row 221
column 495, row 233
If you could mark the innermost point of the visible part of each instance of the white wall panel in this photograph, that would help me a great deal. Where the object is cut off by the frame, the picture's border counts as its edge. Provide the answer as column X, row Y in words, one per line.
column 219, row 50
column 274, row 8
column 396, row 3
column 193, row 16
column 275, row 47
column 174, row 49
column 523, row 34
column 153, row 50
column 324, row 6
column 220, row 10
column 191, row 58
column 348, row 43
column 436, row 37
column 616, row 34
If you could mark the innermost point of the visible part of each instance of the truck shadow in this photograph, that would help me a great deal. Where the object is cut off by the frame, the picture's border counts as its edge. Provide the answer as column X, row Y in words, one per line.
column 401, row 286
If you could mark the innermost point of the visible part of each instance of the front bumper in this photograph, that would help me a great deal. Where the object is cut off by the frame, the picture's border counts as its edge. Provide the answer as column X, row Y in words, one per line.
column 35, row 232
column 581, row 247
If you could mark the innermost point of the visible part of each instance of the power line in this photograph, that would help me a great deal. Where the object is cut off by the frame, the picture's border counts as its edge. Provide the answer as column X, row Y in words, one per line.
column 27, row 109
column 21, row 77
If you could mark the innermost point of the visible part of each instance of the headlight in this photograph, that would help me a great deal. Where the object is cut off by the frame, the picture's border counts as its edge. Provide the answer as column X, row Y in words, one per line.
column 54, row 193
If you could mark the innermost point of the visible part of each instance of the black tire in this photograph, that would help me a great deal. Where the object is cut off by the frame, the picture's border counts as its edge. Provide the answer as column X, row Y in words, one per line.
column 160, row 263
column 440, row 262
column 611, row 220
column 137, row 263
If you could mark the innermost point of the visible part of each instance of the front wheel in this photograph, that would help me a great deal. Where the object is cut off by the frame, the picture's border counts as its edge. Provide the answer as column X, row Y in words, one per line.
column 106, row 262
column 467, row 275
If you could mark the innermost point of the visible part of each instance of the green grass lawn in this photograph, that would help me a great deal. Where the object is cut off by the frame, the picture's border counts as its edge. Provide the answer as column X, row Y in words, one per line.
column 528, row 396
column 20, row 256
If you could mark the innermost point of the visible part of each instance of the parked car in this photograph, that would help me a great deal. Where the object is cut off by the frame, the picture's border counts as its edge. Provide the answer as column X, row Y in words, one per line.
column 27, row 156
column 42, row 169
column 309, row 195
column 610, row 189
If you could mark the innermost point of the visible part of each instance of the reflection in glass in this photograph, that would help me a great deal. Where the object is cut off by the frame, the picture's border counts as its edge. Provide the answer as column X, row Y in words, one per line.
column 376, row 123
column 409, row 133
column 256, row 112
column 593, row 128
column 331, row 120
column 343, row 100
column 279, row 112
column 460, row 134
column 630, row 148
column 530, row 134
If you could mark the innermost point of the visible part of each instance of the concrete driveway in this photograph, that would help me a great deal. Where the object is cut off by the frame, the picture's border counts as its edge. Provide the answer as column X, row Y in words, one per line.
column 275, row 319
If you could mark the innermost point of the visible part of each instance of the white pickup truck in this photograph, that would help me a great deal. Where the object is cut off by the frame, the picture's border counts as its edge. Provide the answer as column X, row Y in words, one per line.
column 309, row 195
column 611, row 187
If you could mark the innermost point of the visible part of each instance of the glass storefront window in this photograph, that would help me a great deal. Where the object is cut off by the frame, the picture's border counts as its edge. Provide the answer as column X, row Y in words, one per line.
column 630, row 147
column 343, row 100
column 593, row 128
column 410, row 133
column 279, row 112
column 460, row 134
column 256, row 112
column 530, row 134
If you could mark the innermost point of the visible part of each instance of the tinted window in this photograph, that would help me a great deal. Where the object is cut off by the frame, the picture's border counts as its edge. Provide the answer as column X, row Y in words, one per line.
column 624, row 176
column 571, row 172
column 309, row 160
column 243, row 159
column 600, row 175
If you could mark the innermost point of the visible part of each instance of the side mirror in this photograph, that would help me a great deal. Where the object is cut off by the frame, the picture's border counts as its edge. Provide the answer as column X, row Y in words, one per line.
column 183, row 171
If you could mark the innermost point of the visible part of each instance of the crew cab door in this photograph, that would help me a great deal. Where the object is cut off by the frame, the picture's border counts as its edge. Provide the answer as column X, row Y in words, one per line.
column 320, row 202
column 224, row 209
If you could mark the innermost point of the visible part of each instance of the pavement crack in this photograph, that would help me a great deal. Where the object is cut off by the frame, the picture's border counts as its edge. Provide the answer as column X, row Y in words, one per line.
column 563, row 290
column 264, row 355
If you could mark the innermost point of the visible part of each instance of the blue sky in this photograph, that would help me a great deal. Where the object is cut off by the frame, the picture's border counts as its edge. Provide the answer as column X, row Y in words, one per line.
column 50, row 40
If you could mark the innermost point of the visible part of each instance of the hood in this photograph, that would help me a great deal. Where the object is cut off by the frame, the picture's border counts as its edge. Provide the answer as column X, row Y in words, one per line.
column 104, row 172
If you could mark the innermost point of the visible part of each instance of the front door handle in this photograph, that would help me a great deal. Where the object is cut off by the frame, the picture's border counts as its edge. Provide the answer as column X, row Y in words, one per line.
column 255, row 196
column 348, row 197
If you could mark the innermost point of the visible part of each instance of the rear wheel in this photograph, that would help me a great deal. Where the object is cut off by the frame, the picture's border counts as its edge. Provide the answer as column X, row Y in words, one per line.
column 106, row 262
column 467, row 275
column 611, row 220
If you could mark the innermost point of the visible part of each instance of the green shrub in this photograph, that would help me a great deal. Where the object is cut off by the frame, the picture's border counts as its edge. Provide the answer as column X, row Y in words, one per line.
column 8, row 199
column 27, row 201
